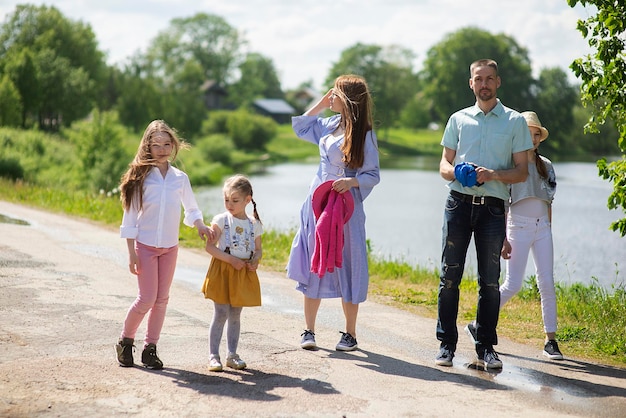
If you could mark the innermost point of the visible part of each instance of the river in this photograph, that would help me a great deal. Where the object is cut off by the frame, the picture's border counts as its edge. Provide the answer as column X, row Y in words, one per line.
column 404, row 217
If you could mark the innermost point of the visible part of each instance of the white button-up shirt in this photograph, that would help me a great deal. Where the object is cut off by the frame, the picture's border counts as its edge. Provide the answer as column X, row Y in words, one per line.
column 157, row 224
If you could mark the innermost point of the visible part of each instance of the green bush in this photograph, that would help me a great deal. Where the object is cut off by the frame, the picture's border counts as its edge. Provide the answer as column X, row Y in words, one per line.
column 216, row 147
column 11, row 168
column 205, row 174
column 216, row 123
column 99, row 144
column 249, row 131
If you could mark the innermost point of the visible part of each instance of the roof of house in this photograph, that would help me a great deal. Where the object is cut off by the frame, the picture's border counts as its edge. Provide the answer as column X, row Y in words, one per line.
column 275, row 106
column 212, row 85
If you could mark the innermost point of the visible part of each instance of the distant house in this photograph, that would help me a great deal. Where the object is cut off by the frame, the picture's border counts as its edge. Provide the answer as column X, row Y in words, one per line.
column 277, row 109
column 214, row 95
column 305, row 97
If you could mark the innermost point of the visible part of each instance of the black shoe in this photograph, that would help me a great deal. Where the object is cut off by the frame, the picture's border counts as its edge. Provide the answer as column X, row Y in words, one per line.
column 445, row 356
column 551, row 350
column 149, row 357
column 124, row 349
column 347, row 342
column 470, row 329
column 489, row 359
column 308, row 340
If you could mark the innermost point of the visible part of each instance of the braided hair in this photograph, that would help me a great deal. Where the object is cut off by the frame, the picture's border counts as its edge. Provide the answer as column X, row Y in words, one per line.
column 241, row 184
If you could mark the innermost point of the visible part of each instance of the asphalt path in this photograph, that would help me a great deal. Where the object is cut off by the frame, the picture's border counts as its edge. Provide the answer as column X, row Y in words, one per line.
column 65, row 289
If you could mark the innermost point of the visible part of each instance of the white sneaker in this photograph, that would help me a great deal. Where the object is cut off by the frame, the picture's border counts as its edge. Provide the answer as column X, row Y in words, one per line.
column 234, row 362
column 215, row 365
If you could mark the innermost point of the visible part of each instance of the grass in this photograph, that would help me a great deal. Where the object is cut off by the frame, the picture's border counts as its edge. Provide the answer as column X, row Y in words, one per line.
column 592, row 320
column 400, row 142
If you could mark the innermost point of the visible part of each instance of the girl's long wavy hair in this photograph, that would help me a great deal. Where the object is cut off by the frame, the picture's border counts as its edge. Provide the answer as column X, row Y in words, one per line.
column 131, row 183
column 241, row 184
column 356, row 117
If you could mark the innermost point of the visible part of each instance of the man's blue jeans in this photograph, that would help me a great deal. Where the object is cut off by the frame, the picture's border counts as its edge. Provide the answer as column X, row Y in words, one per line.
column 487, row 224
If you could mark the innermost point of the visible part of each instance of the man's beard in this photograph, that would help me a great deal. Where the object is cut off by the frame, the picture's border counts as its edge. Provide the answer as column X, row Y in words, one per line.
column 486, row 95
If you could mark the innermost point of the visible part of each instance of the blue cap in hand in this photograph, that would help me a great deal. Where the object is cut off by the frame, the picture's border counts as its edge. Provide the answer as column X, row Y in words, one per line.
column 465, row 173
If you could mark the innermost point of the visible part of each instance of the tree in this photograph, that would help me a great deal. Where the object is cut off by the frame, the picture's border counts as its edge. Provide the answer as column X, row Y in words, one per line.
column 207, row 39
column 603, row 76
column 140, row 100
column 185, row 55
column 445, row 75
column 21, row 68
column 596, row 144
column 416, row 113
column 68, row 67
column 389, row 75
column 10, row 103
column 258, row 79
column 555, row 100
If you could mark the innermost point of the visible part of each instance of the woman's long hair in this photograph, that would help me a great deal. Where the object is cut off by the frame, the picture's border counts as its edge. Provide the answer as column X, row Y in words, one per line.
column 131, row 184
column 356, row 117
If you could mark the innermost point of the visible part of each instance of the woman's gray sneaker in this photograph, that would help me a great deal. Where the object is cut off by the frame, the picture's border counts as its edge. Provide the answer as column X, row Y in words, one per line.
column 346, row 343
column 308, row 340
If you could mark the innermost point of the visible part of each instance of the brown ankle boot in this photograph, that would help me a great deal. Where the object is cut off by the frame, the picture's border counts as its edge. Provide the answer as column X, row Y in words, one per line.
column 124, row 349
column 149, row 357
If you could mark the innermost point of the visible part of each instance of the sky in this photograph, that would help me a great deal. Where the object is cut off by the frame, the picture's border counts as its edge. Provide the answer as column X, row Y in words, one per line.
column 305, row 38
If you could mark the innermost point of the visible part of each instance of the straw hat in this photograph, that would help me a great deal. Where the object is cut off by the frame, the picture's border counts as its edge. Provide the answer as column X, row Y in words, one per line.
column 533, row 120
column 320, row 198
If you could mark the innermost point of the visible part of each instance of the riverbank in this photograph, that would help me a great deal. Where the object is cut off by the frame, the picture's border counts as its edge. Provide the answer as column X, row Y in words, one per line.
column 66, row 289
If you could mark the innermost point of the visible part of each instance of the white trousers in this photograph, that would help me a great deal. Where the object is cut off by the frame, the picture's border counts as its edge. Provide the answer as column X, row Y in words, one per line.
column 531, row 234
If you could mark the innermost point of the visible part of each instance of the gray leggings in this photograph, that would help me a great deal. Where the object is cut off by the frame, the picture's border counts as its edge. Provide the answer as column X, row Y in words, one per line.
column 222, row 313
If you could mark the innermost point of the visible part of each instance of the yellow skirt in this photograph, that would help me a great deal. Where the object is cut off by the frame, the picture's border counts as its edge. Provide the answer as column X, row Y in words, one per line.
column 225, row 285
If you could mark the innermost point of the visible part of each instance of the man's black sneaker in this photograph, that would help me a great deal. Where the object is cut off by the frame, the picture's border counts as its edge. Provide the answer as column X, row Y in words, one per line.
column 149, row 357
column 488, row 359
column 470, row 330
column 124, row 349
column 551, row 350
column 445, row 356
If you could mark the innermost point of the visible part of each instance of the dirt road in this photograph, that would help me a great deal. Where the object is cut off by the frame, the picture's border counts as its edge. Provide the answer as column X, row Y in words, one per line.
column 65, row 289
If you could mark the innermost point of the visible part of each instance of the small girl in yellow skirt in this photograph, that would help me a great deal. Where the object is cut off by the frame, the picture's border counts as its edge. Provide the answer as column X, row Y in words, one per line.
column 232, row 280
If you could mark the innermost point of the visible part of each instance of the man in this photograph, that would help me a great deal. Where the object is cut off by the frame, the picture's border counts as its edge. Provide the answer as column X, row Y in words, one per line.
column 484, row 150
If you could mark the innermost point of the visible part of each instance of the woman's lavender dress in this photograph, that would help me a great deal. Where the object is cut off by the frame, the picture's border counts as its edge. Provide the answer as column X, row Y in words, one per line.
column 349, row 282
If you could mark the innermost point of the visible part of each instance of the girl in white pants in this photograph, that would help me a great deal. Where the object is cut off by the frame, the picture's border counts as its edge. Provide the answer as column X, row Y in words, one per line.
column 529, row 229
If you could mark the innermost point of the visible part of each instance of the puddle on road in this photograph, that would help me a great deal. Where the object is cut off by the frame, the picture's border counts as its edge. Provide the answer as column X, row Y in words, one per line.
column 533, row 381
column 8, row 220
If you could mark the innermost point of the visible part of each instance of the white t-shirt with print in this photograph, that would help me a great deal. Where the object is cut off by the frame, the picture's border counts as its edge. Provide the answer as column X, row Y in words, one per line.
column 240, row 232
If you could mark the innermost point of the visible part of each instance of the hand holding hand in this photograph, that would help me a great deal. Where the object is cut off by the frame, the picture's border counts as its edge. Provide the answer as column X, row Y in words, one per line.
column 506, row 249
column 205, row 233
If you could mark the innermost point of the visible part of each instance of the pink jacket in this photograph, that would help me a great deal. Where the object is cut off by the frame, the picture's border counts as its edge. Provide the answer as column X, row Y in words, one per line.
column 329, row 236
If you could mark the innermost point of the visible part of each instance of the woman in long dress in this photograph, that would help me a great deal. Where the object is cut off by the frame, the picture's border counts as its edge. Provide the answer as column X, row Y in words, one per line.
column 349, row 158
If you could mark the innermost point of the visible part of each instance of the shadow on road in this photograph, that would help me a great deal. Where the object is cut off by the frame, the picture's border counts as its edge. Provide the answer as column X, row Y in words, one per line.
column 244, row 384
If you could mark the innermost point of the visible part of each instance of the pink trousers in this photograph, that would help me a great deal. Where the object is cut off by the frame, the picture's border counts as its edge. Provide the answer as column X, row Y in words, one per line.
column 157, row 266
